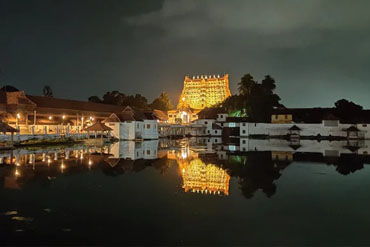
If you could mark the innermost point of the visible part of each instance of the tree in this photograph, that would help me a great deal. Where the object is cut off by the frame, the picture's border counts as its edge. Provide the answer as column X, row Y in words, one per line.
column 246, row 84
column 118, row 98
column 47, row 91
column 162, row 103
column 95, row 99
column 256, row 99
column 348, row 111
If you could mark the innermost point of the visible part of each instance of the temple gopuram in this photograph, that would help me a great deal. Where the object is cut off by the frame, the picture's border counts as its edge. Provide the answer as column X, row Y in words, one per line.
column 198, row 93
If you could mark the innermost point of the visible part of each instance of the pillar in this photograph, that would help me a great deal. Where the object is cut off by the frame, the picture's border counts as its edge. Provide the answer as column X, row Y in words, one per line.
column 34, row 117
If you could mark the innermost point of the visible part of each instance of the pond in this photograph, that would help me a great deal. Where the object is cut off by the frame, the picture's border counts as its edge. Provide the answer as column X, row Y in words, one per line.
column 187, row 192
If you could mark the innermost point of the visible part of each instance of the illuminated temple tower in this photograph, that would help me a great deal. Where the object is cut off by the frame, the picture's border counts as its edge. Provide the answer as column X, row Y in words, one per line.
column 198, row 93
column 204, row 91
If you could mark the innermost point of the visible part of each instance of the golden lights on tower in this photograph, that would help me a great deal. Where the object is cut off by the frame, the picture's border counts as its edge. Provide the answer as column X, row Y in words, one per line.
column 204, row 91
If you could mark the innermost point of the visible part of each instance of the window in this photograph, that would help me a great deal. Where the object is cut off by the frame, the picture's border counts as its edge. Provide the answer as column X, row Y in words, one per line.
column 276, row 116
column 148, row 126
column 243, row 124
column 222, row 116
column 243, row 131
column 155, row 126
column 205, row 122
column 244, row 141
column 232, row 125
column 148, row 152
column 215, row 140
column 364, row 125
column 286, row 116
column 137, row 125
column 208, row 131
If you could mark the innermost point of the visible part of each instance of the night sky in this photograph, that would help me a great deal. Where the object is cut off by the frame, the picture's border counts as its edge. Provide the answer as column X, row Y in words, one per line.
column 317, row 50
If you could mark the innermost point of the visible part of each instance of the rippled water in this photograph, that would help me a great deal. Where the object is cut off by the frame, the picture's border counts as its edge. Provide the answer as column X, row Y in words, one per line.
column 186, row 192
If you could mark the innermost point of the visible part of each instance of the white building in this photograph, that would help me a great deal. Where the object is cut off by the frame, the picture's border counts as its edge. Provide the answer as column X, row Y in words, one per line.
column 133, row 124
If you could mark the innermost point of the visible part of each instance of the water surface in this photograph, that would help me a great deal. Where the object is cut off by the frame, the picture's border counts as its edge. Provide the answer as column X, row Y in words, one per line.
column 186, row 192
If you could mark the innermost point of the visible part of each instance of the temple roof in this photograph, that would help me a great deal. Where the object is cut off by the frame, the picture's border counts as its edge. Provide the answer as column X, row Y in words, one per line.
column 6, row 128
column 98, row 126
column 50, row 102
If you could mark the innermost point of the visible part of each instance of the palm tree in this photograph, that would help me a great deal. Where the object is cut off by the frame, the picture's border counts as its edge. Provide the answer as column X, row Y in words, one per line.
column 246, row 84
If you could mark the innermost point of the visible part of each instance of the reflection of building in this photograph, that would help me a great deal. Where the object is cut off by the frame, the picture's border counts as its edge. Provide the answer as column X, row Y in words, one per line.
column 199, row 177
column 198, row 93
column 134, row 150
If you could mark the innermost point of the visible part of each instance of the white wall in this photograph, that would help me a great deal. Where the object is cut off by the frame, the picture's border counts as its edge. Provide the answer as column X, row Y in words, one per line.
column 150, row 130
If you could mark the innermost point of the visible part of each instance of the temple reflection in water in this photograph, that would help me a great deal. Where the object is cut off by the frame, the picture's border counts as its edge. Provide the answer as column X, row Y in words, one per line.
column 198, row 176
column 205, row 165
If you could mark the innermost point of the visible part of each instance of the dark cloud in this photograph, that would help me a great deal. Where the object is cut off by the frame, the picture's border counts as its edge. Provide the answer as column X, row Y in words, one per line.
column 318, row 51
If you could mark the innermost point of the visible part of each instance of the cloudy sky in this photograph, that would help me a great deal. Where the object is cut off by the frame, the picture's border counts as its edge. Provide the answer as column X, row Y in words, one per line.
column 317, row 50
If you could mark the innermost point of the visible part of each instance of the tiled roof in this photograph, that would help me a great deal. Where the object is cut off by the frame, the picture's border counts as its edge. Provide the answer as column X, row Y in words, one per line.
column 50, row 102
column 98, row 126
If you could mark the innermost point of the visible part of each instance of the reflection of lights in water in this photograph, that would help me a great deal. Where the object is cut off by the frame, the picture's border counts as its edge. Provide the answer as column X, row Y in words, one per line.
column 90, row 162
column 204, row 178
column 62, row 166
column 17, row 163
column 49, row 161
column 81, row 156
column 17, row 173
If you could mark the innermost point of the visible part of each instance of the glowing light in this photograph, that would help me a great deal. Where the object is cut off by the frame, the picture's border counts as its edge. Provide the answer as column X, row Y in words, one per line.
column 50, row 117
column 17, row 164
column 91, row 118
column 18, row 115
column 90, row 162
column 64, row 117
column 17, row 173
column 62, row 167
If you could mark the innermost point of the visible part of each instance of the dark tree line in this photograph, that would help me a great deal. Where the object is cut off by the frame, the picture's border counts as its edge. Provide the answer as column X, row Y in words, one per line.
column 117, row 98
